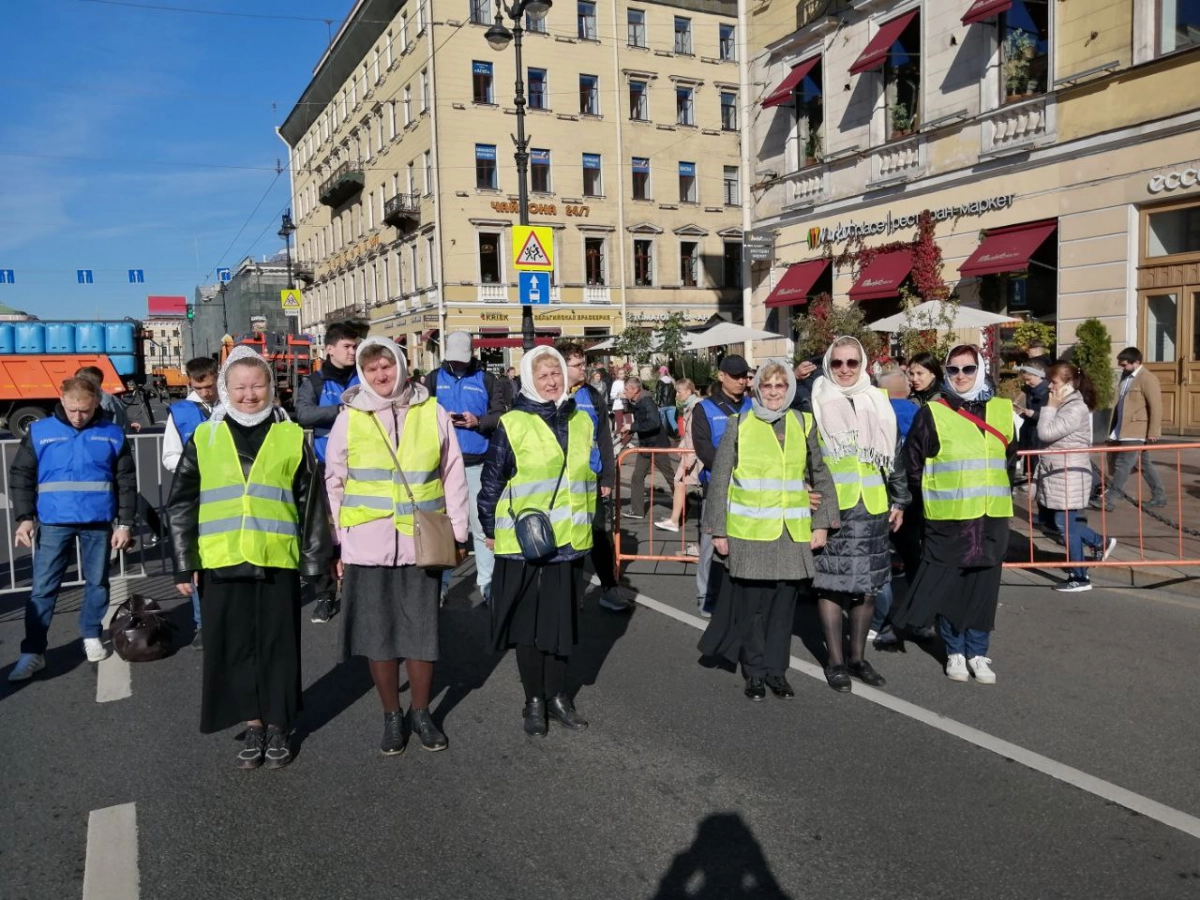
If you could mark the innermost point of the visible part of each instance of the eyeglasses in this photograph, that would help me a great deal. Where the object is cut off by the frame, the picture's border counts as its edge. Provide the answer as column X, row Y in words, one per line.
column 773, row 386
column 848, row 363
column 966, row 370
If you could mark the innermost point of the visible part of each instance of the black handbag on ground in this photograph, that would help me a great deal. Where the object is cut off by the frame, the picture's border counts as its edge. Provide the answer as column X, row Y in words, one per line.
column 535, row 534
column 140, row 631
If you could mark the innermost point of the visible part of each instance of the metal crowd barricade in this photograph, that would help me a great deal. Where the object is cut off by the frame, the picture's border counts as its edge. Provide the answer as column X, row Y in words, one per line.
column 682, row 539
column 1164, row 547
column 141, row 561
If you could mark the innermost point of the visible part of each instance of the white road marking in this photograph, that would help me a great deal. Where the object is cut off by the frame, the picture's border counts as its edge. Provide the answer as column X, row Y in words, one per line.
column 1106, row 790
column 113, row 680
column 111, row 869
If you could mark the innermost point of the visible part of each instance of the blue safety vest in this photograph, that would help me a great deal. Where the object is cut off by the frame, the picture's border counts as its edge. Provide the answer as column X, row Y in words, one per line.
column 465, row 395
column 718, row 421
column 583, row 403
column 187, row 416
column 76, row 483
column 331, row 395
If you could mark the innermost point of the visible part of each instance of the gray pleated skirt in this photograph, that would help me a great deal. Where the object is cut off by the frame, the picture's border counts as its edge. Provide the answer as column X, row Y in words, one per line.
column 390, row 612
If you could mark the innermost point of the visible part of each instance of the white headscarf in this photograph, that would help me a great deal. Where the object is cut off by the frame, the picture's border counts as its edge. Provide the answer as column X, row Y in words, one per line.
column 398, row 357
column 771, row 416
column 225, row 408
column 529, row 386
column 865, row 428
column 979, row 390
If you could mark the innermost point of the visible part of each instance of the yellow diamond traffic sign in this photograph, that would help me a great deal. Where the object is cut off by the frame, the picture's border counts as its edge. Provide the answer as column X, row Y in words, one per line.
column 290, row 299
column 533, row 248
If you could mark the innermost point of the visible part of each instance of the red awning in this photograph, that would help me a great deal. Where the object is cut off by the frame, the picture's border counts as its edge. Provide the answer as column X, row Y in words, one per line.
column 427, row 334
column 794, row 287
column 1007, row 249
column 548, row 330
column 493, row 343
column 981, row 10
column 787, row 87
column 494, row 329
column 883, row 277
column 877, row 50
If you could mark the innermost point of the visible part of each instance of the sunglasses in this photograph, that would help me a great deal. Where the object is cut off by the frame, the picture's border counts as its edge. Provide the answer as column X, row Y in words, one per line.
column 966, row 370
column 848, row 363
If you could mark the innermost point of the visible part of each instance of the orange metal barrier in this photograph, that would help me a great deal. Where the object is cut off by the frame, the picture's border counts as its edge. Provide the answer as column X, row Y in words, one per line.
column 668, row 540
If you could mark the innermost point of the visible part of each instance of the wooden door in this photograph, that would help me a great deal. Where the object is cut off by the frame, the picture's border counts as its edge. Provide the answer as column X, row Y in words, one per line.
column 1161, row 353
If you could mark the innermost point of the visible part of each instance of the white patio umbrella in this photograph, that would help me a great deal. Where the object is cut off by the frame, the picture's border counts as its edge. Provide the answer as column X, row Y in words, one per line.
column 728, row 333
column 934, row 314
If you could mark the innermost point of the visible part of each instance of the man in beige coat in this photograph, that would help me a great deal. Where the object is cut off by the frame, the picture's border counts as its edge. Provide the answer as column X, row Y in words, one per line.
column 1137, row 419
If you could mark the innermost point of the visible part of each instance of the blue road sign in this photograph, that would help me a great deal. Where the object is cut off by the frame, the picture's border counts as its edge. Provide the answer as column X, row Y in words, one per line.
column 84, row 276
column 534, row 287
column 6, row 276
column 137, row 276
column 224, row 275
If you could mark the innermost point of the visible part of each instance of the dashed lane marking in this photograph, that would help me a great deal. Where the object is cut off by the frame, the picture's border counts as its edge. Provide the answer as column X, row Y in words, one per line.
column 113, row 681
column 111, row 869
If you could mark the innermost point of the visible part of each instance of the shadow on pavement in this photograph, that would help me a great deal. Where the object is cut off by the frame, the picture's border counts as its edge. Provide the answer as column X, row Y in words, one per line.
column 725, row 862
column 467, row 660
column 599, row 631
column 60, row 660
column 331, row 695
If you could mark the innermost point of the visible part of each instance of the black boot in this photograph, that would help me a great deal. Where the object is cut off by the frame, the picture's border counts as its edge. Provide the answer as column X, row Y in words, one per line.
column 865, row 672
column 422, row 726
column 755, row 689
column 535, row 717
column 562, row 710
column 395, row 739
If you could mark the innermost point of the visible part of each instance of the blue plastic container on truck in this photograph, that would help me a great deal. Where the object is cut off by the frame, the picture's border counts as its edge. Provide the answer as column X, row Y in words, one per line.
column 60, row 337
column 125, row 364
column 30, row 337
column 8, row 340
column 89, row 337
column 120, row 338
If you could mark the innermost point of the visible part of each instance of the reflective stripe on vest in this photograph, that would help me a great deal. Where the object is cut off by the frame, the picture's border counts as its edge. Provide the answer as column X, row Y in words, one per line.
column 187, row 415
column 718, row 421
column 463, row 395
column 75, row 471
column 249, row 519
column 584, row 402
column 760, row 508
column 539, row 460
column 331, row 395
column 968, row 478
column 374, row 489
column 857, row 480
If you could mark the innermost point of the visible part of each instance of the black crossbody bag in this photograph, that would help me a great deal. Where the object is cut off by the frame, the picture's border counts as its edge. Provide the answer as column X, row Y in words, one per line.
column 535, row 534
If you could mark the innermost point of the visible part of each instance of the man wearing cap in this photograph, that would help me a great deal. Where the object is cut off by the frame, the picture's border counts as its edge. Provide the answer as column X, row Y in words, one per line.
column 475, row 401
column 725, row 402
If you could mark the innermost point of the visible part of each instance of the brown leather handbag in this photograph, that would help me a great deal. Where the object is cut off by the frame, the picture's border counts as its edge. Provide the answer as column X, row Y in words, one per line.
column 140, row 630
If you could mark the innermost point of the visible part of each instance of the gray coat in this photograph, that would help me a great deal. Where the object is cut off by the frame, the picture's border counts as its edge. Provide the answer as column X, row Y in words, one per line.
column 1064, row 480
column 782, row 559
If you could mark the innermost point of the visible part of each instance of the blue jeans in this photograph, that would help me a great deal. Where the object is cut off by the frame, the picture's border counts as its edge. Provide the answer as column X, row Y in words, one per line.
column 668, row 420
column 195, row 606
column 53, row 550
column 1079, row 535
column 970, row 643
column 485, row 559
column 883, row 605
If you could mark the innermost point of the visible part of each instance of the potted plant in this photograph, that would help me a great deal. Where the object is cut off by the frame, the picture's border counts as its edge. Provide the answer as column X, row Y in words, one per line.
column 1019, row 50
column 902, row 120
column 813, row 151
column 1092, row 353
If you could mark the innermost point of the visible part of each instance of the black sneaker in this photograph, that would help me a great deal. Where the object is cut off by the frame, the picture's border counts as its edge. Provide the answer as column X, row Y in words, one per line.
column 395, row 738
column 324, row 610
column 278, row 754
column 198, row 640
column 253, row 748
column 422, row 726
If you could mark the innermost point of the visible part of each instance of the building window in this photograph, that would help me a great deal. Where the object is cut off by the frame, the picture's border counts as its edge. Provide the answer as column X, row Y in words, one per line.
column 728, row 111
column 683, row 36
column 536, row 26
column 639, row 108
column 728, row 43
column 391, row 120
column 1026, row 49
column 431, row 255
column 732, row 268
column 1173, row 232
column 643, row 263
column 687, row 182
column 689, row 263
column 411, row 178
column 902, row 81
column 428, row 160
column 731, row 186
column 479, row 12
column 1178, row 25
column 408, row 105
column 589, row 95
column 539, row 171
column 489, row 257
column 586, row 19
column 684, row 114
column 537, row 88
column 387, row 60
column 636, row 20
column 420, row 16
column 481, row 81
column 810, row 116
column 485, row 167
column 592, row 186
column 641, row 178
column 403, row 50
column 424, row 90
column 594, row 261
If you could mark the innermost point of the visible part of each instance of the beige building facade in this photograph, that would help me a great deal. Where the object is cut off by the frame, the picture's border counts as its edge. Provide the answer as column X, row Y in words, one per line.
column 1055, row 144
column 405, row 189
column 163, row 339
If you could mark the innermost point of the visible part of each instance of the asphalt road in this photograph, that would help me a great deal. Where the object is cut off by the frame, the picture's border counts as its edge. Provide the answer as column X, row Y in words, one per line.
column 681, row 787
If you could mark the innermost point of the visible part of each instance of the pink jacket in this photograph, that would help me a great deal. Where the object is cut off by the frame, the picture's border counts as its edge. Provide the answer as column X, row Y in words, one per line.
column 379, row 543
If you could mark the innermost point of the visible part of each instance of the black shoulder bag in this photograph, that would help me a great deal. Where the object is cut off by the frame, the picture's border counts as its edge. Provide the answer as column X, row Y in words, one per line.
column 535, row 534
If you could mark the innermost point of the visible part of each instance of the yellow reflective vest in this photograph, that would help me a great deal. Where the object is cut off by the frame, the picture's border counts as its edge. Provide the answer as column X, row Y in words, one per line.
column 539, row 461
column 968, row 478
column 249, row 519
column 373, row 488
column 857, row 480
column 767, row 490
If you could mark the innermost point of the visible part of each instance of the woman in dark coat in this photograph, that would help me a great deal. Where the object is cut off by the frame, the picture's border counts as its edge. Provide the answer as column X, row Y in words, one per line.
column 251, row 610
column 924, row 379
column 535, row 604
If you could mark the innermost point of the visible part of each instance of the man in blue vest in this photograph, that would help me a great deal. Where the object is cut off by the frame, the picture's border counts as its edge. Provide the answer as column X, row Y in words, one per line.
column 72, row 478
column 184, row 418
column 318, row 402
column 475, row 401
column 718, row 410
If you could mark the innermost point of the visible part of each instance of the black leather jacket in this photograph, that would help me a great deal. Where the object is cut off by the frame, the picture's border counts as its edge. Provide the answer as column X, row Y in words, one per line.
column 183, row 507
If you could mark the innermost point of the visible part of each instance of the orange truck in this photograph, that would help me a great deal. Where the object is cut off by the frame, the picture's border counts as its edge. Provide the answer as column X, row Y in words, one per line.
column 29, row 385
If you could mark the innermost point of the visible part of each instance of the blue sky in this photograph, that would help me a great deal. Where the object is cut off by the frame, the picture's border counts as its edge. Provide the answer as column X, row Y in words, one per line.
column 140, row 138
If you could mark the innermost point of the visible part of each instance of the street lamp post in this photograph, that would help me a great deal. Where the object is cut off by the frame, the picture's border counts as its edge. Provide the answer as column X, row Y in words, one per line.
column 286, row 230
column 498, row 37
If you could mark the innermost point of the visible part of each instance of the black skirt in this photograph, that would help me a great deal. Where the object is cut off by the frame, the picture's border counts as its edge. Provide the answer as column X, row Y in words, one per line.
column 536, row 605
column 251, row 666
column 390, row 612
column 752, row 625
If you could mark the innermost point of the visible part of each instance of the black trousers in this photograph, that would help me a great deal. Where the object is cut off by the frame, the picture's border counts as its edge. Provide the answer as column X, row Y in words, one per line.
column 767, row 610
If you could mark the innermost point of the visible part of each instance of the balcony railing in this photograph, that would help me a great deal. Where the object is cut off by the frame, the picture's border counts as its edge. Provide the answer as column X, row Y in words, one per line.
column 1017, row 126
column 493, row 293
column 352, row 313
column 897, row 160
column 806, row 187
column 597, row 293
column 303, row 271
column 344, row 183
column 402, row 211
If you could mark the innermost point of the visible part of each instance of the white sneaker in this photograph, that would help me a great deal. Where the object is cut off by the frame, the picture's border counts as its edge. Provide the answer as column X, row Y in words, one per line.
column 1107, row 550
column 872, row 635
column 666, row 525
column 26, row 666
column 981, row 667
column 94, row 648
column 692, row 550
column 956, row 668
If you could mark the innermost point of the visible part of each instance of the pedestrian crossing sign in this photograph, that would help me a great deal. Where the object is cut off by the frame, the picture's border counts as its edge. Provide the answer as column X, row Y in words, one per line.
column 289, row 299
column 533, row 248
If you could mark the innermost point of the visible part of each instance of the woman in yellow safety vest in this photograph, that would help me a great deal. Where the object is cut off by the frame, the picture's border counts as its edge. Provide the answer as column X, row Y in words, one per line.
column 760, row 514
column 860, row 442
column 540, row 459
column 247, row 520
column 391, row 605
column 957, row 457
